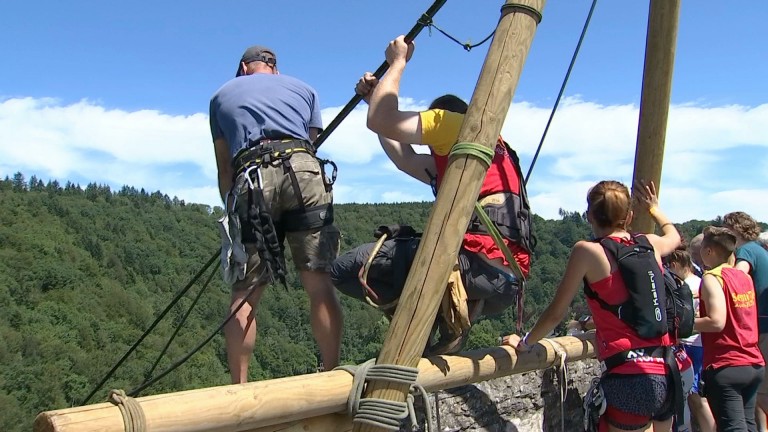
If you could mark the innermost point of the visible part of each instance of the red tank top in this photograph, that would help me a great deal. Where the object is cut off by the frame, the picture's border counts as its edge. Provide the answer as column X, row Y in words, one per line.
column 736, row 345
column 614, row 336
column 500, row 177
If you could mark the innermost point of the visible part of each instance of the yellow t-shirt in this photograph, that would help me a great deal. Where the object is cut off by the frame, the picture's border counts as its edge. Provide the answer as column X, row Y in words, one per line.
column 440, row 129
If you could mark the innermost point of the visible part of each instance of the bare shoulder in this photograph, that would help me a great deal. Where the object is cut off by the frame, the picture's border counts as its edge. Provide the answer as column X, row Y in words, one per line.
column 584, row 249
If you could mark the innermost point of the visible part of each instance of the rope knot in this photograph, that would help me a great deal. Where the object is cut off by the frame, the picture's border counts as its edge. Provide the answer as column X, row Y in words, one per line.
column 134, row 419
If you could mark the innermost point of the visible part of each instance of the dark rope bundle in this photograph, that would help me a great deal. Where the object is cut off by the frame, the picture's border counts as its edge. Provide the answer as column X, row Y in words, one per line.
column 264, row 233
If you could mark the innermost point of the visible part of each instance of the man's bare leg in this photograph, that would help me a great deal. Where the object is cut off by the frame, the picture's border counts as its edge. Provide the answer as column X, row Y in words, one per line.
column 326, row 316
column 240, row 334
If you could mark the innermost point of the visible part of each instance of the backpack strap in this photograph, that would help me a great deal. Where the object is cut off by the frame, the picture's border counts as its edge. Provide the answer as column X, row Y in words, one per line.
column 613, row 248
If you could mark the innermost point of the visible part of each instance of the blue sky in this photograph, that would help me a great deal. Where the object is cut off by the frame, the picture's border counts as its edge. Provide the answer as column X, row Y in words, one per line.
column 119, row 94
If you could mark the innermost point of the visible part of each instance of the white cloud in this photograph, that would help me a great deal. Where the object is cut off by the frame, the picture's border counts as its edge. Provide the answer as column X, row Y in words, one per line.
column 716, row 158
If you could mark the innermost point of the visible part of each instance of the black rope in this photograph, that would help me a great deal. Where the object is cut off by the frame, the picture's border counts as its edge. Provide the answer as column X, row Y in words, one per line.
column 173, row 302
column 562, row 89
column 183, row 320
column 533, row 12
column 161, row 375
column 466, row 45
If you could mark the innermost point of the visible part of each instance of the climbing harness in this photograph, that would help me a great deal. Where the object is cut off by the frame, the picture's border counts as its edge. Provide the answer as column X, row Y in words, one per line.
column 258, row 227
column 594, row 406
column 494, row 219
column 384, row 413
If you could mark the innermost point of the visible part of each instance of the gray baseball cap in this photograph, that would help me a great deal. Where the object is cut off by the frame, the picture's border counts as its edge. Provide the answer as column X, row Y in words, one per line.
column 257, row 53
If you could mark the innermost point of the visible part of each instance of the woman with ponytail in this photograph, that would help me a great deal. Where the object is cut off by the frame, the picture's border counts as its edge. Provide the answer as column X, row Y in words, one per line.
column 649, row 405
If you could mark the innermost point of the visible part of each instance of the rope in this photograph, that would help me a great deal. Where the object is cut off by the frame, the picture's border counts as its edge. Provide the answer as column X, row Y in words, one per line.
column 384, row 413
column 191, row 307
column 562, row 89
column 427, row 21
column 171, row 368
column 479, row 151
column 134, row 419
column 562, row 376
column 165, row 311
column 363, row 278
column 466, row 45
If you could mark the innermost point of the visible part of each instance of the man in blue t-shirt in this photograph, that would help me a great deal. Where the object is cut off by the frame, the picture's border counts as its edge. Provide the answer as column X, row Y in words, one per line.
column 263, row 124
column 752, row 259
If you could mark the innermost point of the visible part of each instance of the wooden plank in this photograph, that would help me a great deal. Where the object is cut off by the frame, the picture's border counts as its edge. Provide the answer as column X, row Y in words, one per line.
column 654, row 103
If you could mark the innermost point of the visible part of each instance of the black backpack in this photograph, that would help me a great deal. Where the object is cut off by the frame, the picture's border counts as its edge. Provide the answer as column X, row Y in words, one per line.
column 680, row 309
column 646, row 308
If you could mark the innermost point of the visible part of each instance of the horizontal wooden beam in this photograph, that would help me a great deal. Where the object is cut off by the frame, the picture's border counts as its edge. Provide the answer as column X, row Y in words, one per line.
column 301, row 403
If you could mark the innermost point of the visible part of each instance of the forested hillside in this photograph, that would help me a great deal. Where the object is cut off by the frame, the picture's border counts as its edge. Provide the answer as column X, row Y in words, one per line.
column 85, row 271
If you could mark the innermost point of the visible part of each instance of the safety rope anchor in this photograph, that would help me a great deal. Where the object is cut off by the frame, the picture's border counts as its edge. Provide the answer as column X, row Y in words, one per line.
column 383, row 413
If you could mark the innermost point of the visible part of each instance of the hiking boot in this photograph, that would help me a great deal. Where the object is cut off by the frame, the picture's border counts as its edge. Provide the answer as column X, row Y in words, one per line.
column 447, row 342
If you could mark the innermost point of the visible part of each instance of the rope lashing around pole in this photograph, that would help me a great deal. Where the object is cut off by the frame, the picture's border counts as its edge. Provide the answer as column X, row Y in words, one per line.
column 134, row 419
column 479, row 151
column 383, row 413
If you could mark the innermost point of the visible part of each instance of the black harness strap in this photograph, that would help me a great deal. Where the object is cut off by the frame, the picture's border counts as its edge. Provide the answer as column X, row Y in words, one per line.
column 261, row 229
column 306, row 218
column 663, row 352
column 288, row 169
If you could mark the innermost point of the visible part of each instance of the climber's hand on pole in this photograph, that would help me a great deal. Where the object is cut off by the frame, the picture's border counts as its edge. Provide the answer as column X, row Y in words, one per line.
column 399, row 51
column 365, row 86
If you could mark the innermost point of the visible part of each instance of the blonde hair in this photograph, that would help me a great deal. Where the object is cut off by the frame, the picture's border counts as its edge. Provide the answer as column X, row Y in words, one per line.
column 608, row 204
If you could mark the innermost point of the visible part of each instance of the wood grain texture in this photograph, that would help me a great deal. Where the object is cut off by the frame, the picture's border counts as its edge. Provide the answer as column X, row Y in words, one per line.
column 654, row 103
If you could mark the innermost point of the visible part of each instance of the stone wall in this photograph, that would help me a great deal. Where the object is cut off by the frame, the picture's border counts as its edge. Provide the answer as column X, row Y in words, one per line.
column 519, row 403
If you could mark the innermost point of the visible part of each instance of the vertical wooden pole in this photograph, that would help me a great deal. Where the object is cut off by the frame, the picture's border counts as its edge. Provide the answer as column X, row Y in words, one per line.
column 424, row 287
column 654, row 103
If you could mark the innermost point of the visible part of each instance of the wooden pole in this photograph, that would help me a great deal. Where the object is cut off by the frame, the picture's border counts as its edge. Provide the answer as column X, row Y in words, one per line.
column 303, row 403
column 654, row 103
column 439, row 247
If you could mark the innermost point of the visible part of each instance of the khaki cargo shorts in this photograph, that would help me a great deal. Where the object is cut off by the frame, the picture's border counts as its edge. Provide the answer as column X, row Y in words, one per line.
column 311, row 250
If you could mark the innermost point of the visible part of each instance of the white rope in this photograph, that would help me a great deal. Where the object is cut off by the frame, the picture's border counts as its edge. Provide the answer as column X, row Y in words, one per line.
column 562, row 375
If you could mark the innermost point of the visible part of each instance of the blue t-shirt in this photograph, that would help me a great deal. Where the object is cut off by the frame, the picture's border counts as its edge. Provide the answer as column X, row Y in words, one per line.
column 263, row 106
column 757, row 257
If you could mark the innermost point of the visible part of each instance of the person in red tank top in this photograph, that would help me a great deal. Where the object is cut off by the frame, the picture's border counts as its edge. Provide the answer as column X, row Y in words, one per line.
column 636, row 391
column 733, row 364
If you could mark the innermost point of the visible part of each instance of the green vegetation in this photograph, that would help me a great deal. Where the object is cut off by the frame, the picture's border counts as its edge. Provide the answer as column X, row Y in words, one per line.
column 84, row 271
